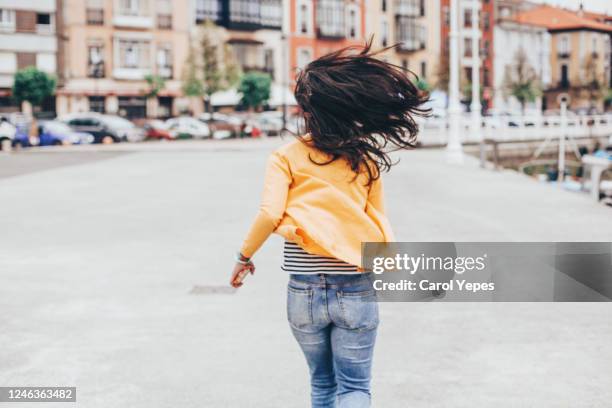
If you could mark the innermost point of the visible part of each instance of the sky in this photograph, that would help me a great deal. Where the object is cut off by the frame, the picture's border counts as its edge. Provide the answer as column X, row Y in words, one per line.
column 600, row 6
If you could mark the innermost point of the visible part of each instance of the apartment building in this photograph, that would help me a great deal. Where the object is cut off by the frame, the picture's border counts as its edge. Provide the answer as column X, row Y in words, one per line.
column 411, row 25
column 107, row 49
column 252, row 28
column 317, row 27
column 580, row 53
column 27, row 38
column 518, row 43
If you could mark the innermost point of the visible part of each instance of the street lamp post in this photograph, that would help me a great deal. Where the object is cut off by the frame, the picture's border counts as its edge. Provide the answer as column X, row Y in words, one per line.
column 475, row 106
column 454, row 150
column 284, row 84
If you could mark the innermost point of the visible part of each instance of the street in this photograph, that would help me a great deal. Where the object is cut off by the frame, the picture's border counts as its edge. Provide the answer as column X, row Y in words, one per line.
column 106, row 254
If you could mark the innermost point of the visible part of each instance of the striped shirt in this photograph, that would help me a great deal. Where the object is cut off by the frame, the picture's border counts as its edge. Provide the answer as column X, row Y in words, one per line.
column 296, row 260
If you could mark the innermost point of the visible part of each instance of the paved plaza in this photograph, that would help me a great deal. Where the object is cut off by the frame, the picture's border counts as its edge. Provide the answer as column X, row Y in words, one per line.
column 108, row 255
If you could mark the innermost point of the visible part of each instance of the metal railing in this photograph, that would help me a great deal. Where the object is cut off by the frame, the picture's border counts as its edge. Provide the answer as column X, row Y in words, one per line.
column 434, row 131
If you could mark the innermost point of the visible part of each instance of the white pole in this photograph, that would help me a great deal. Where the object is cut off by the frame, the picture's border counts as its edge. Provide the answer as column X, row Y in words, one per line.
column 454, row 150
column 561, row 167
column 475, row 106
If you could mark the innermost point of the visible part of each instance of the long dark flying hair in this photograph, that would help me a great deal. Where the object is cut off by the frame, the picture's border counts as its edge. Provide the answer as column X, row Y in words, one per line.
column 356, row 106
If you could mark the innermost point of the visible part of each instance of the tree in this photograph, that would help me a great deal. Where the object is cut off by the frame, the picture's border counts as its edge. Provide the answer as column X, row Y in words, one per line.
column 192, row 86
column 520, row 80
column 155, row 84
column 423, row 85
column 255, row 89
column 32, row 85
column 210, row 66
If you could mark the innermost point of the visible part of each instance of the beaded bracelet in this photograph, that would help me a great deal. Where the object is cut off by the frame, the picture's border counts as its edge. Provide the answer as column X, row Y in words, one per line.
column 240, row 259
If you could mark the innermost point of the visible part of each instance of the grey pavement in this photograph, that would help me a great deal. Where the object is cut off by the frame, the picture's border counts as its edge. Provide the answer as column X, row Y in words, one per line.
column 98, row 259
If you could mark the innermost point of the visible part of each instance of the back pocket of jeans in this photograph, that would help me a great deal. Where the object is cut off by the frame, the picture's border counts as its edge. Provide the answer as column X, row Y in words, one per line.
column 359, row 310
column 299, row 307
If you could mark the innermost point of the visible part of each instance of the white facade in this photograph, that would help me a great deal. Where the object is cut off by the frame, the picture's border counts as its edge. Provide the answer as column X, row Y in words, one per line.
column 510, row 38
column 36, row 46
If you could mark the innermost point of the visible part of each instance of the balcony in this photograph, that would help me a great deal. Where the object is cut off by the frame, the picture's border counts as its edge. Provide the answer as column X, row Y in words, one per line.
column 133, row 14
column 408, row 8
column 563, row 54
column 94, row 16
column 208, row 10
column 271, row 13
column 244, row 14
column 330, row 19
column 409, row 34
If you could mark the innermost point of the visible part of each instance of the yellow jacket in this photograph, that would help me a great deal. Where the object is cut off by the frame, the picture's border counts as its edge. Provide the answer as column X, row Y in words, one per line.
column 322, row 208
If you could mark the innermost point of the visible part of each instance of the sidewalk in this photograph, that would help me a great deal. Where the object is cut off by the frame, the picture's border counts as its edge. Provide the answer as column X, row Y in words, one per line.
column 98, row 259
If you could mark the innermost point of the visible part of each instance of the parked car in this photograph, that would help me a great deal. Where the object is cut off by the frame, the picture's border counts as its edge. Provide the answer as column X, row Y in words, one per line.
column 186, row 127
column 7, row 132
column 222, row 126
column 54, row 132
column 271, row 123
column 157, row 130
column 105, row 128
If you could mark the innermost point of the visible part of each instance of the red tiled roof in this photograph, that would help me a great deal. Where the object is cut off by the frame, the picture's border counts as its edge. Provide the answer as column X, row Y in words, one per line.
column 558, row 19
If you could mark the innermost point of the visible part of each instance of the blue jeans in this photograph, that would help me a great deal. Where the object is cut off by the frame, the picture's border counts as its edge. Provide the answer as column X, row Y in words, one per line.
column 334, row 319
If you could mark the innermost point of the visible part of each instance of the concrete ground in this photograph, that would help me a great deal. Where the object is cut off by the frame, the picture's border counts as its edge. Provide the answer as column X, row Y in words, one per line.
column 100, row 254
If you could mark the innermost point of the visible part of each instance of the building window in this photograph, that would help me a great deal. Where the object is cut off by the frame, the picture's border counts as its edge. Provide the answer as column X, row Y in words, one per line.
column 423, row 69
column 446, row 13
column 245, row 11
column 405, row 64
column 208, row 10
column 384, row 5
column 271, row 13
column 43, row 19
column 467, row 18
column 44, row 23
column 486, row 23
column 467, row 47
column 564, row 82
column 269, row 62
column 304, row 17
column 95, row 12
column 353, row 18
column 563, row 46
column 486, row 77
column 422, row 8
column 384, row 30
column 486, row 49
column 134, row 54
column 409, row 34
column 95, row 62
column 96, row 104
column 164, row 14
column 7, row 20
column 164, row 61
column 132, row 107
column 330, row 18
column 410, row 8
column 131, row 7
column 304, row 57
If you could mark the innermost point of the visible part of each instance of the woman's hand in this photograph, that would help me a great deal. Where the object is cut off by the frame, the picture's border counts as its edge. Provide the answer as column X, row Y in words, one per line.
column 239, row 270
